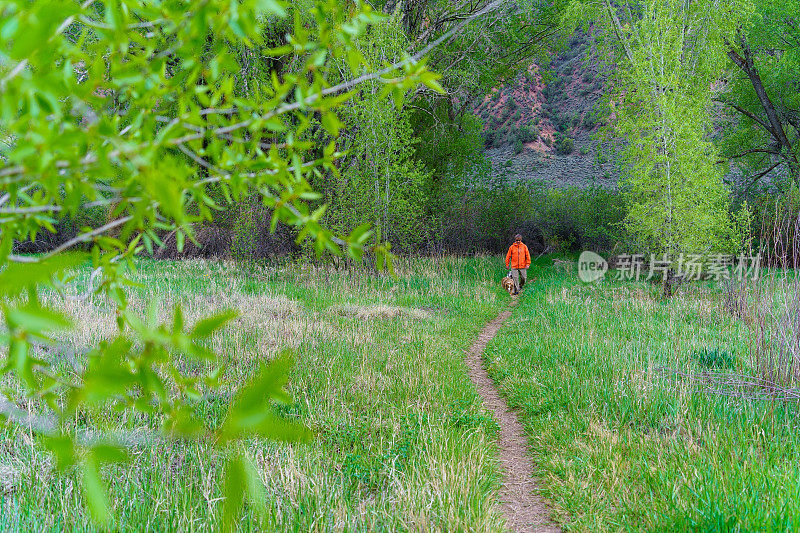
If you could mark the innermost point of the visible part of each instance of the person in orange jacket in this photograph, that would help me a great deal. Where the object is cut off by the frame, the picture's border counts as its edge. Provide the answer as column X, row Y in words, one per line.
column 518, row 259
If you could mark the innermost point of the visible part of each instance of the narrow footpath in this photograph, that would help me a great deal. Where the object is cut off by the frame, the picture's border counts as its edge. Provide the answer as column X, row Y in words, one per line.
column 523, row 507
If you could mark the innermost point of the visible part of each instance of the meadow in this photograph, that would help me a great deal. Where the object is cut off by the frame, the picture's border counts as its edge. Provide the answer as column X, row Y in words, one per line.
column 623, row 439
column 401, row 441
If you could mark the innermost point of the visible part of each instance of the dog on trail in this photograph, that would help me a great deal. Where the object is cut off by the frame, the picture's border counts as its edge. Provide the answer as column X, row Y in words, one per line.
column 508, row 283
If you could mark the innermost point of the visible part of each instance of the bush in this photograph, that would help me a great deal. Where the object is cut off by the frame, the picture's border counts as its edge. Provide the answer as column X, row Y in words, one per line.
column 65, row 229
column 564, row 145
column 550, row 219
column 560, row 122
column 497, row 140
column 548, row 141
column 488, row 137
column 518, row 146
column 584, row 150
column 527, row 134
column 578, row 219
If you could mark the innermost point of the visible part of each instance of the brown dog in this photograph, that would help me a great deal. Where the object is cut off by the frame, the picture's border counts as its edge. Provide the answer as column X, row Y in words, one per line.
column 508, row 284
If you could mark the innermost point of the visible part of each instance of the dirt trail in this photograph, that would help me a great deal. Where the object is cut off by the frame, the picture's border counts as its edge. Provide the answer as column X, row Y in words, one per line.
column 523, row 508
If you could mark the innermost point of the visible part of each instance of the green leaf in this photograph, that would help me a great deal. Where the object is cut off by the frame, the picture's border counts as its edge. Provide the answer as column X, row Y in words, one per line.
column 272, row 7
column 36, row 320
column 17, row 276
column 95, row 491
column 108, row 453
column 63, row 449
column 233, row 490
column 207, row 326
column 251, row 412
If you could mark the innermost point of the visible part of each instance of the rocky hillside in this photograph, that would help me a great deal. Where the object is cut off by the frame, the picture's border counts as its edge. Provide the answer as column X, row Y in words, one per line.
column 542, row 127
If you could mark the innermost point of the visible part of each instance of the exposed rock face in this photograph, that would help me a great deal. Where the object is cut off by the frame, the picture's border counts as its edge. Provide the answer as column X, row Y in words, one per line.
column 543, row 127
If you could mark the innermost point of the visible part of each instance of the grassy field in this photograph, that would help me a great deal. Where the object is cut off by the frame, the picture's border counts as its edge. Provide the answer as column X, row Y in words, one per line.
column 401, row 440
column 620, row 446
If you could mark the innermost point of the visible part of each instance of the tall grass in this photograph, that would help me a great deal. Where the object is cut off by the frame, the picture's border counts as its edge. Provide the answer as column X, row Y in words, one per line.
column 619, row 446
column 402, row 442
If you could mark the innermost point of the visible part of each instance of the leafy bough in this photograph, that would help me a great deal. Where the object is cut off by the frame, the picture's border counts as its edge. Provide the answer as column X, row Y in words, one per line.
column 136, row 107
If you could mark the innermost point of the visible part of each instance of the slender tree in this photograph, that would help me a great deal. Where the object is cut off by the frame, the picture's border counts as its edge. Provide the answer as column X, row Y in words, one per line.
column 668, row 54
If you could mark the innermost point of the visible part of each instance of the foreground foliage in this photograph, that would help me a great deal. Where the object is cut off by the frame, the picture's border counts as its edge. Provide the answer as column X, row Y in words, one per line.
column 150, row 110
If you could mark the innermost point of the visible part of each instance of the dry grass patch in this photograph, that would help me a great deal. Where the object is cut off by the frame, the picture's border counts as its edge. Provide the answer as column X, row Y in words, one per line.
column 381, row 311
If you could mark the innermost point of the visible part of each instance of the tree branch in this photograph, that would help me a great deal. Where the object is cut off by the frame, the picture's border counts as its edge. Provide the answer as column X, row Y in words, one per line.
column 83, row 237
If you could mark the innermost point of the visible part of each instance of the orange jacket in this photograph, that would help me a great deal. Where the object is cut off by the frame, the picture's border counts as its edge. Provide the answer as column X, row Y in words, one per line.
column 518, row 255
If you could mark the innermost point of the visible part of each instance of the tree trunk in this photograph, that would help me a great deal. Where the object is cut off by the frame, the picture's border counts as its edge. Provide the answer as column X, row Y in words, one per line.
column 775, row 126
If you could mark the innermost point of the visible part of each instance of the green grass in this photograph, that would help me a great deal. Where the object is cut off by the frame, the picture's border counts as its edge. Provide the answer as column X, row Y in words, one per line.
column 618, row 446
column 401, row 440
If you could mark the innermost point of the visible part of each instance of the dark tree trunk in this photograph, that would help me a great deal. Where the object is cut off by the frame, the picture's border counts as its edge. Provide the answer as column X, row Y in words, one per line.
column 773, row 125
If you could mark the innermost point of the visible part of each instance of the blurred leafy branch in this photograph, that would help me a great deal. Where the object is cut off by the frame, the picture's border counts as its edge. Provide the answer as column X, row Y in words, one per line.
column 143, row 107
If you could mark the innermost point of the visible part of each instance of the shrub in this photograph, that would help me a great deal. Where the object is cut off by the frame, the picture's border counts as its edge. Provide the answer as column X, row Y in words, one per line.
column 518, row 146
column 565, row 145
column 559, row 219
column 527, row 134
column 548, row 141
column 488, row 137
column 584, row 150
column 560, row 122
column 497, row 140
column 576, row 219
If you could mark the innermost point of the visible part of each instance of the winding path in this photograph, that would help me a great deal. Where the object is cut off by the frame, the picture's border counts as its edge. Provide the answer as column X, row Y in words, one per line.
column 523, row 508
